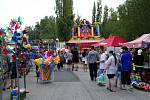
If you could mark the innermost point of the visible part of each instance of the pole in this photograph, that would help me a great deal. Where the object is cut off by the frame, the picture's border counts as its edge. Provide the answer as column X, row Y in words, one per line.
column 1, row 88
column 1, row 69
column 17, row 73
column 25, row 81
column 148, row 58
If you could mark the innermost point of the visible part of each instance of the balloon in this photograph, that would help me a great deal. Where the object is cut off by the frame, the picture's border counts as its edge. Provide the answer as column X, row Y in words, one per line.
column 57, row 60
column 50, row 59
column 40, row 61
column 36, row 61
column 5, row 51
column 17, row 26
column 20, row 19
column 43, row 58
column 1, row 34
column 43, row 66
column 1, row 38
column 46, row 63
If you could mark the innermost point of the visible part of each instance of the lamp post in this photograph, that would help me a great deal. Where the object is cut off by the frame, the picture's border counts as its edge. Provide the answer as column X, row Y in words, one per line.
column 57, row 39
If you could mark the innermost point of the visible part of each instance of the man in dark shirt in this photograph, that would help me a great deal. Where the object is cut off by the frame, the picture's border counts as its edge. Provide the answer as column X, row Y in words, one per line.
column 126, row 62
column 92, row 61
column 75, row 59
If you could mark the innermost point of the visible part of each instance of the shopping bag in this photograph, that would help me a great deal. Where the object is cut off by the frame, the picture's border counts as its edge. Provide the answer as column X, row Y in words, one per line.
column 102, row 79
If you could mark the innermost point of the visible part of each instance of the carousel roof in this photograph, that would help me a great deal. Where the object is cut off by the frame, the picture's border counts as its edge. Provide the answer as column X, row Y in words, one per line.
column 79, row 41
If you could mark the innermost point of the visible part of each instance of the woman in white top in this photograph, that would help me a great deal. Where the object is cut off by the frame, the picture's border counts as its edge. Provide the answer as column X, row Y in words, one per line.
column 111, row 68
column 84, row 60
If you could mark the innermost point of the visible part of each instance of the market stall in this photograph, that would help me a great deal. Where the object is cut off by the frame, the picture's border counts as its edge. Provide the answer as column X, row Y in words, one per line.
column 13, row 40
column 141, row 42
column 137, row 43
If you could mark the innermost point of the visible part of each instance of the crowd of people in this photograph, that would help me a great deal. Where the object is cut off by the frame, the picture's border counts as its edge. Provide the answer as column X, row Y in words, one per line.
column 117, row 67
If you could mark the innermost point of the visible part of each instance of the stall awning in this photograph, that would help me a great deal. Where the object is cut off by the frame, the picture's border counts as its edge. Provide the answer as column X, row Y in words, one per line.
column 82, row 41
column 111, row 41
column 138, row 43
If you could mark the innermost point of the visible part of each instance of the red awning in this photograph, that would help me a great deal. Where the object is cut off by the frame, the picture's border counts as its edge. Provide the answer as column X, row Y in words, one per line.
column 113, row 41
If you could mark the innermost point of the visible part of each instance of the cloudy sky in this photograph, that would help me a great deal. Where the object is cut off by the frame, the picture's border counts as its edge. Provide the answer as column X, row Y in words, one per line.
column 32, row 11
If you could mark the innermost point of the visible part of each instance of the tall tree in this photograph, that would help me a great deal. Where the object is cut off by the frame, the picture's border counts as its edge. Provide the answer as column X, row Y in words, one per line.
column 68, row 17
column 45, row 29
column 59, row 18
column 104, row 23
column 94, row 13
column 64, row 12
column 78, row 19
column 105, row 16
column 99, row 11
column 37, row 31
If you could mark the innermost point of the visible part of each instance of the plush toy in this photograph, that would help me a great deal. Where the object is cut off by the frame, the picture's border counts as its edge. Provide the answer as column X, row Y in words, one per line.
column 57, row 60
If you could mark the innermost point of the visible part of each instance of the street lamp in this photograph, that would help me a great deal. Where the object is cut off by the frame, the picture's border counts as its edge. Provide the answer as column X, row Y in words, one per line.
column 57, row 39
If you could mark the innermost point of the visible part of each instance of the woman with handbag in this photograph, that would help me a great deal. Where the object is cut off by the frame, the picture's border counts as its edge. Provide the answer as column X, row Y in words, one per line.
column 111, row 68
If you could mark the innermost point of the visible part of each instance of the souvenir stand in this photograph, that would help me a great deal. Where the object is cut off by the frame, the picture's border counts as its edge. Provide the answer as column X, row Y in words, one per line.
column 141, row 42
column 146, row 45
column 13, row 38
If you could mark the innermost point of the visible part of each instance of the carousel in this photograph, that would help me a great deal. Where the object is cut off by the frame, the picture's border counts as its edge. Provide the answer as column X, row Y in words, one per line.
column 85, row 34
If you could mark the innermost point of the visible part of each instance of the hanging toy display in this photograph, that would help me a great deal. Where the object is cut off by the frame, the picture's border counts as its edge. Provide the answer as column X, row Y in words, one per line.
column 45, row 67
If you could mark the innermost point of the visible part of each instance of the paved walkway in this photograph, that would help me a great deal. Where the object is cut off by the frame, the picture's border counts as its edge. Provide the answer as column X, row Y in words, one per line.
column 100, row 93
column 63, row 89
column 65, row 76
column 77, row 86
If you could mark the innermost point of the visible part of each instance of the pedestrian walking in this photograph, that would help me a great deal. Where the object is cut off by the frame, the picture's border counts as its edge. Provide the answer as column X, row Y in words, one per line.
column 69, row 60
column 111, row 69
column 60, row 64
column 118, row 73
column 84, row 60
column 103, row 58
column 92, row 61
column 75, row 59
column 126, row 62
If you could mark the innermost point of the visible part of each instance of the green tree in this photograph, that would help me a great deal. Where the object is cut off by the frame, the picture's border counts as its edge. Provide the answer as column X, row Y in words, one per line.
column 78, row 19
column 133, row 18
column 31, row 32
column 99, row 11
column 59, row 18
column 105, row 16
column 68, row 19
column 104, row 23
column 94, row 13
column 65, row 16
column 37, row 31
column 45, row 29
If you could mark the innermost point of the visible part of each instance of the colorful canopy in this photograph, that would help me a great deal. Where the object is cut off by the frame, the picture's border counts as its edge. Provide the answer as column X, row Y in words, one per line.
column 114, row 41
column 138, row 43
column 82, row 41
column 146, row 42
